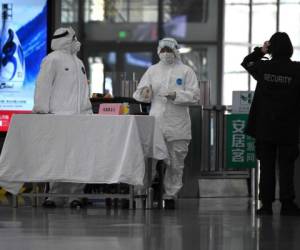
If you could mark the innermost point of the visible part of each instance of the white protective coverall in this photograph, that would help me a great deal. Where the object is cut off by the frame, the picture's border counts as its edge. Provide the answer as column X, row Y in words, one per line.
column 165, row 77
column 62, row 88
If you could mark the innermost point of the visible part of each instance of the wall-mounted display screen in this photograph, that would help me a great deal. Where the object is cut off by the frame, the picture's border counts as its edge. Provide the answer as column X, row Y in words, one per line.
column 23, row 45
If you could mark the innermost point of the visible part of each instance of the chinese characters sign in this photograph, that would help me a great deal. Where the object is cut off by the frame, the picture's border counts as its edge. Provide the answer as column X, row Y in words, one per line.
column 240, row 147
column 110, row 109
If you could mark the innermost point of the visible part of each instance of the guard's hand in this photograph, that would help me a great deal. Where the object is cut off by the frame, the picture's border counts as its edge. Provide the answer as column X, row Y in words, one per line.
column 264, row 48
column 171, row 95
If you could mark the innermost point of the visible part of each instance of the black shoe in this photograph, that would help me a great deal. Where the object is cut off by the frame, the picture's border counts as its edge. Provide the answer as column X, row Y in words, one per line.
column 169, row 204
column 290, row 209
column 264, row 211
column 75, row 204
column 49, row 204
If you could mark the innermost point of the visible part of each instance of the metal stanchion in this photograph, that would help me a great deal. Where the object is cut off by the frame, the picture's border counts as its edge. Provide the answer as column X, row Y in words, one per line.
column 205, row 102
column 212, row 159
column 257, row 173
column 254, row 186
column 149, row 190
column 131, row 197
column 219, row 141
column 161, row 169
column 34, row 195
column 206, row 136
column 15, row 201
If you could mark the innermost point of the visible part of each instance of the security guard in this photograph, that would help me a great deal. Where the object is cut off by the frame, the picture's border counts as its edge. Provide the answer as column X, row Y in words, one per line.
column 274, row 120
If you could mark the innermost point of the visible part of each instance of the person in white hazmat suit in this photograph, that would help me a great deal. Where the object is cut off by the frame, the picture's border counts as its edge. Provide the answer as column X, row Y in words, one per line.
column 171, row 87
column 62, row 88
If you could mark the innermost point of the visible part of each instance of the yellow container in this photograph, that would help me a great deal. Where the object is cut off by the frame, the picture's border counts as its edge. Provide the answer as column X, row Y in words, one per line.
column 125, row 108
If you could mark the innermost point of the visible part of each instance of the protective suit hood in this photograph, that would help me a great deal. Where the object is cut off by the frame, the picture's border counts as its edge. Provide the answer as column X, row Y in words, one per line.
column 63, row 39
column 170, row 43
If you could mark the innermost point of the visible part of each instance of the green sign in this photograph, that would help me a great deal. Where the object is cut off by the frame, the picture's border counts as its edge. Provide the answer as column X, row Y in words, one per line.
column 240, row 149
column 122, row 34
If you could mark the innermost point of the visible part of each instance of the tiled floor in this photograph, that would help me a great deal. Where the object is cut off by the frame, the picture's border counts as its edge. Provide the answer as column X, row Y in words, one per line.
column 212, row 224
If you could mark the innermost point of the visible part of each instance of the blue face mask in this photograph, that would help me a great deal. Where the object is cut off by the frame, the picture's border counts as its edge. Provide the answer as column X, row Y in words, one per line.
column 167, row 57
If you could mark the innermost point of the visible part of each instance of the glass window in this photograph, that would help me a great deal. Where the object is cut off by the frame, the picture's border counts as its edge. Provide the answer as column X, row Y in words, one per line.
column 100, row 68
column 289, row 1
column 233, row 57
column 194, row 10
column 234, row 82
column 192, row 21
column 237, row 39
column 235, row 76
column 263, row 2
column 296, row 55
column 253, row 83
column 137, row 61
column 289, row 17
column 96, row 75
column 238, row 2
column 197, row 59
column 124, row 20
column 203, row 60
column 135, row 65
column 94, row 10
column 143, row 11
column 121, row 11
column 263, row 21
column 69, row 11
column 236, row 31
column 264, row 25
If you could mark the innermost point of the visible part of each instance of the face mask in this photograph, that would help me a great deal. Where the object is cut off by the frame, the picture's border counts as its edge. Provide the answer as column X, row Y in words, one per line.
column 167, row 58
column 75, row 47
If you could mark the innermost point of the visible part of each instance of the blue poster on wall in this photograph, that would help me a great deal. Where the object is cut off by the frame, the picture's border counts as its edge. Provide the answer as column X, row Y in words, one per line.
column 23, row 45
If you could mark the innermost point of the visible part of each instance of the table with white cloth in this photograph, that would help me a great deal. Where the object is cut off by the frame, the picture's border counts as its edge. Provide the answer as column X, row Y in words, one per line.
column 79, row 148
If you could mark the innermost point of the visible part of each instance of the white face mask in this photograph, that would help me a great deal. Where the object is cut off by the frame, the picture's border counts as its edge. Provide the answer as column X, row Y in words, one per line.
column 167, row 57
column 75, row 47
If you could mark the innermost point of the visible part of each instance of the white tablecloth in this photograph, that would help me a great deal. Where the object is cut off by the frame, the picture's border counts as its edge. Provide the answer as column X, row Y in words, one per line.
column 79, row 148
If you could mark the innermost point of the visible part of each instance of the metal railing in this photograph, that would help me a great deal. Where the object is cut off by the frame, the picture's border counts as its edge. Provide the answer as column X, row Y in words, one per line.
column 213, row 137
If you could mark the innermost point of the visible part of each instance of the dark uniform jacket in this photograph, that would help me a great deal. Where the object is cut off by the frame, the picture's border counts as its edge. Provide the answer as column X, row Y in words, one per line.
column 275, row 111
